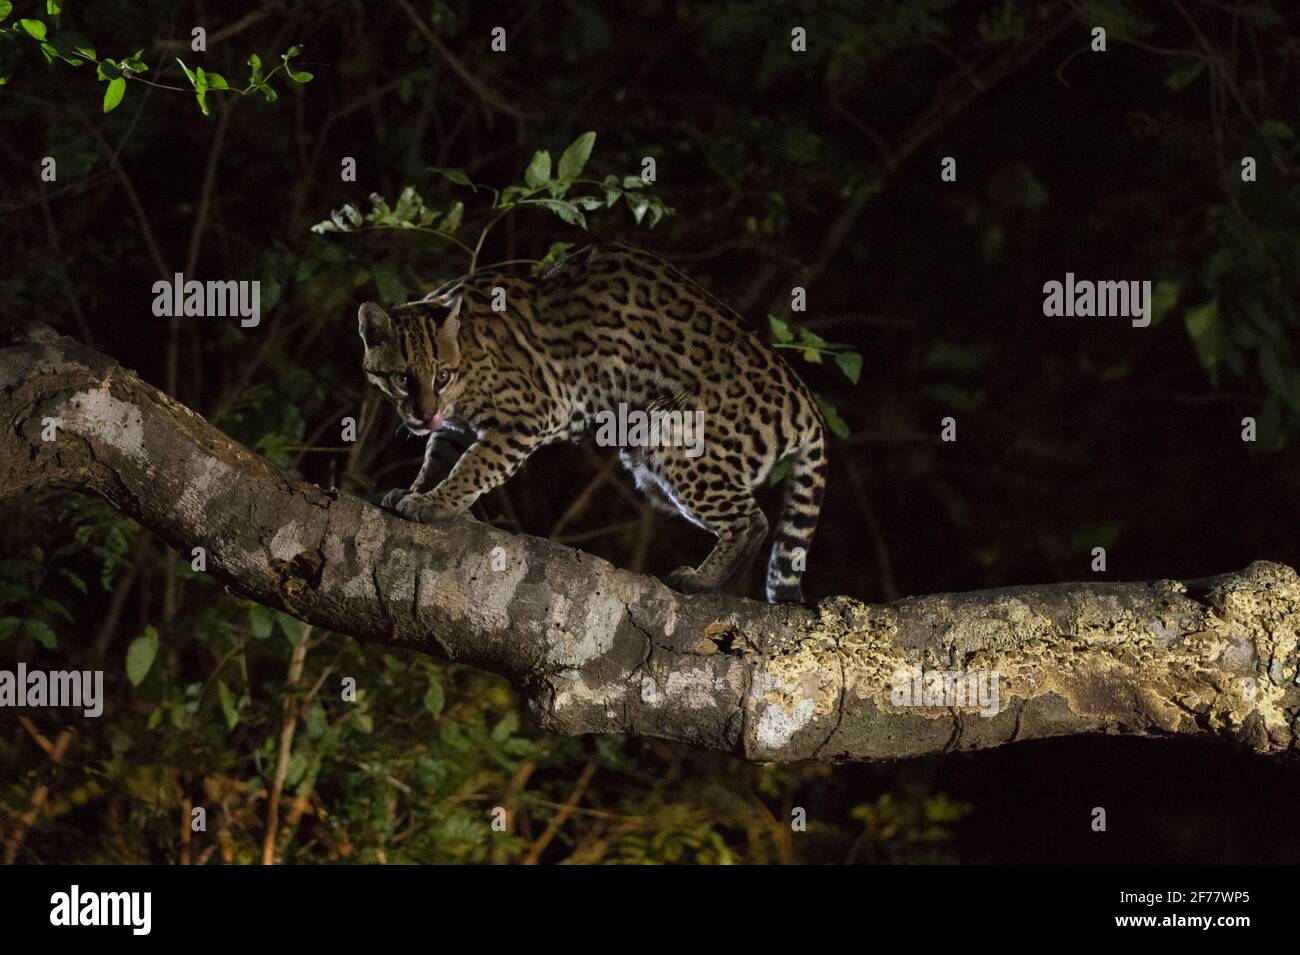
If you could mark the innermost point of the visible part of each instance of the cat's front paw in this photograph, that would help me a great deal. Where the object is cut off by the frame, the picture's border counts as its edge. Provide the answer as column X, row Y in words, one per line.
column 686, row 580
column 394, row 497
column 424, row 509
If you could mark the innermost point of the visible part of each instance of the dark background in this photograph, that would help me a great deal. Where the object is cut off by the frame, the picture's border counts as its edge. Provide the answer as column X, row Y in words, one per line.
column 818, row 169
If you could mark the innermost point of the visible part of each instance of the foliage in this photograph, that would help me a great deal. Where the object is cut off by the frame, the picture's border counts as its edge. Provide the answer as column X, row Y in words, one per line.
column 70, row 47
column 410, row 211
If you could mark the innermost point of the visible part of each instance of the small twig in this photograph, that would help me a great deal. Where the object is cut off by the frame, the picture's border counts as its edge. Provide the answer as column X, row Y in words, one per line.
column 56, row 752
column 482, row 91
column 562, row 816
column 288, row 723
column 583, row 499
column 225, row 33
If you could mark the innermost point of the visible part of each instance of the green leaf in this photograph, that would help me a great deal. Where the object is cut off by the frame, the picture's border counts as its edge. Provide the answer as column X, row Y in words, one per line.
column 40, row 631
column 833, row 419
column 216, row 81
column 952, row 396
column 1163, row 298
column 1017, row 187
column 951, row 356
column 1280, row 379
column 849, row 362
column 1104, row 533
column 407, row 206
column 289, row 626
column 229, row 707
column 435, row 699
column 777, row 473
column 34, row 28
column 52, row 7
column 575, row 157
column 255, row 63
column 1276, row 129
column 189, row 74
column 140, row 656
column 270, row 294
column 8, row 626
column 451, row 222
column 812, row 339
column 639, row 206
column 6, row 8
column 455, row 175
column 56, row 608
column 1202, row 324
column 261, row 620
column 388, row 281
column 506, row 727
column 134, row 63
column 297, row 766
column 557, row 251
column 113, row 94
column 658, row 210
column 780, row 330
column 565, row 210
column 539, row 170
column 1183, row 74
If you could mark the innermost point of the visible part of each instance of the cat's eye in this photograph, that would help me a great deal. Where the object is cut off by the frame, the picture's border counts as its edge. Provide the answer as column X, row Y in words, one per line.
column 403, row 382
column 443, row 379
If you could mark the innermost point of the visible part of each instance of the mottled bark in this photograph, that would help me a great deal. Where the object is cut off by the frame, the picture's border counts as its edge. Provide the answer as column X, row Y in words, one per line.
column 597, row 649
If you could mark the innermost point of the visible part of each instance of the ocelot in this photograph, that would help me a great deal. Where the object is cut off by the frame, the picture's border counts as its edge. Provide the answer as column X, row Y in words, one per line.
column 492, row 366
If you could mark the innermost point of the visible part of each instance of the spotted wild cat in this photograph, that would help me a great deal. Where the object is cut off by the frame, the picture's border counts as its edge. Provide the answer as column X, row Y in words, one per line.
column 610, row 327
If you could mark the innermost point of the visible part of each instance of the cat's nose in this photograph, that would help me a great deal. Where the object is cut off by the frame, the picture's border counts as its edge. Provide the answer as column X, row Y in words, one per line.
column 434, row 421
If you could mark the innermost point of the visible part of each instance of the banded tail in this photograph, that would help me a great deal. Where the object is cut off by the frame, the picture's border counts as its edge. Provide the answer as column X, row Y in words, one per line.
column 802, row 502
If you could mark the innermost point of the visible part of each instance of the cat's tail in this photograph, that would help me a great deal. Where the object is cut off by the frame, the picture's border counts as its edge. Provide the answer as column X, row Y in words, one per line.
column 804, row 487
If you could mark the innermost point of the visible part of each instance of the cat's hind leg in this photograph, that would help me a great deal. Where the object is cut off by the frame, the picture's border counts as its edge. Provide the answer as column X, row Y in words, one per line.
column 722, row 506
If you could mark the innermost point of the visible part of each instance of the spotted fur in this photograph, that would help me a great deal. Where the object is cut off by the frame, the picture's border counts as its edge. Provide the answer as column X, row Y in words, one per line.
column 608, row 324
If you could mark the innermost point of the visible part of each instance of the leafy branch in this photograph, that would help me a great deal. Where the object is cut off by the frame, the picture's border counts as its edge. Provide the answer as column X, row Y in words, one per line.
column 75, row 50
column 565, row 194
column 814, row 349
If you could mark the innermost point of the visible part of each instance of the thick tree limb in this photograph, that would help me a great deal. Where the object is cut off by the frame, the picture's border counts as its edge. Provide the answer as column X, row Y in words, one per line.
column 597, row 649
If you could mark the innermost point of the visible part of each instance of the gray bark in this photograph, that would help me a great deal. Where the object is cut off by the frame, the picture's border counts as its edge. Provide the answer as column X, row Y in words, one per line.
column 596, row 649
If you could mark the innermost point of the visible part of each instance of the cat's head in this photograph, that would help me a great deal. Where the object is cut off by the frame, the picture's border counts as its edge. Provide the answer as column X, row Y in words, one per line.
column 413, row 357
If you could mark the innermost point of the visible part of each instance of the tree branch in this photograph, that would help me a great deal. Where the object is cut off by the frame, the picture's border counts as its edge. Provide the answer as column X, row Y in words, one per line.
column 596, row 649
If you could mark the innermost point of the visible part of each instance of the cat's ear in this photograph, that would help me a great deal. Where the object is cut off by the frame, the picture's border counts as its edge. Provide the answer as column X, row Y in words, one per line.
column 374, row 324
column 447, row 335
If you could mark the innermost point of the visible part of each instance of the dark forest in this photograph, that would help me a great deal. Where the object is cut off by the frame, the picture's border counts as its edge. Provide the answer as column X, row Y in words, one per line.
column 918, row 170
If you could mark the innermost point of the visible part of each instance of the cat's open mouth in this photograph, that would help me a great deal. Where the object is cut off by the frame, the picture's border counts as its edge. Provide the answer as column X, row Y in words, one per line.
column 427, row 426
